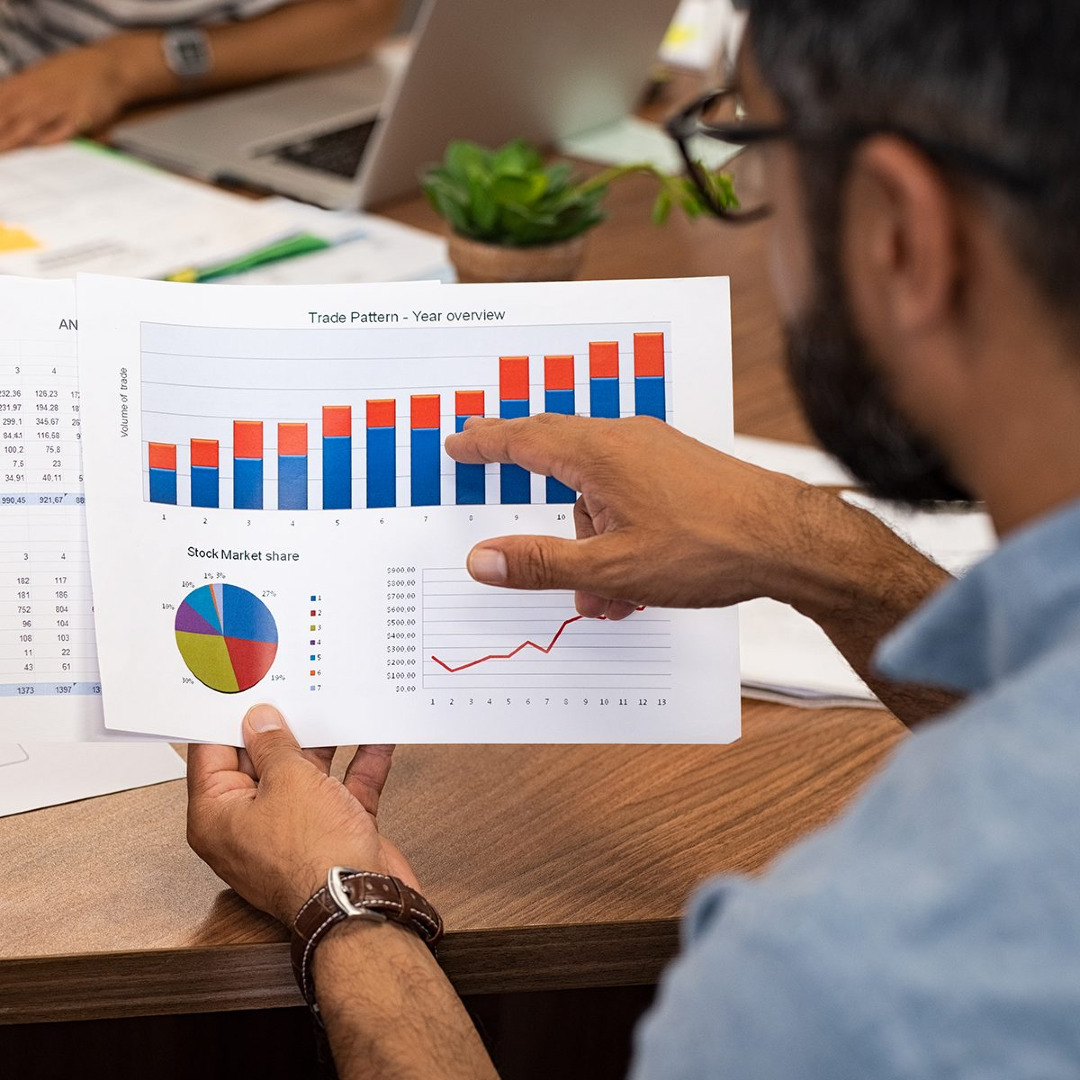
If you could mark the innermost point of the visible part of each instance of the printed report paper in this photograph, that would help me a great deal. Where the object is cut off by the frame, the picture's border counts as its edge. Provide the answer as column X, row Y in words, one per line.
column 35, row 776
column 49, row 683
column 272, row 515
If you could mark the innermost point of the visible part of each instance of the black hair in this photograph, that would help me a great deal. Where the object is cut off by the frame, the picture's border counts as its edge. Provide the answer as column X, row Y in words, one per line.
column 997, row 79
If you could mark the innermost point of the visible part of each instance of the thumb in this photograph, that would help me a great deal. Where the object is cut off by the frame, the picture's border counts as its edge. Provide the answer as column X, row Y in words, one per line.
column 268, row 739
column 544, row 562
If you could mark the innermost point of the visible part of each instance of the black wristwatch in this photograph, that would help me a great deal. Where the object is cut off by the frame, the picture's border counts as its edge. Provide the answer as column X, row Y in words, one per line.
column 187, row 52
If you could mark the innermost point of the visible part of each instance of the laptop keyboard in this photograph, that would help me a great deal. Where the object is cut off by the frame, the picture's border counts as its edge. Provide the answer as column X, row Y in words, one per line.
column 336, row 152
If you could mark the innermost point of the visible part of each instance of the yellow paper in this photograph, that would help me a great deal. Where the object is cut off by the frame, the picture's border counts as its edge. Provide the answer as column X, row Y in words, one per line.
column 12, row 238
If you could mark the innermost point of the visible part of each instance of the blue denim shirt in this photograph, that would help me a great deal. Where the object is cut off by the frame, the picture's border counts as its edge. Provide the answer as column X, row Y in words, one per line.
column 934, row 929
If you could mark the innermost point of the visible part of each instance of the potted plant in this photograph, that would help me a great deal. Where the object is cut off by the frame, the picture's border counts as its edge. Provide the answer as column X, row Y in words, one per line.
column 511, row 217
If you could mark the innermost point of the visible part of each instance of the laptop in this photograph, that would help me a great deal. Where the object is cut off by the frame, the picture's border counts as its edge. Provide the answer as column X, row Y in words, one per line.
column 360, row 134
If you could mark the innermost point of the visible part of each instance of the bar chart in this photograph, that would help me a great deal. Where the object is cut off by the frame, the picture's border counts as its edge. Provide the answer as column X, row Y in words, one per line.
column 285, row 447
column 241, row 425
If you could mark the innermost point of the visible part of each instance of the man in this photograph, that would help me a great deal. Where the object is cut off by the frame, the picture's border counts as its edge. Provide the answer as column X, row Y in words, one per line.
column 70, row 66
column 924, row 168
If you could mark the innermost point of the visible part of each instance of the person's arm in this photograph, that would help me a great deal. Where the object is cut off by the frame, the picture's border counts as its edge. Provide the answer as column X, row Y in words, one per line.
column 271, row 822
column 390, row 1011
column 82, row 89
column 664, row 520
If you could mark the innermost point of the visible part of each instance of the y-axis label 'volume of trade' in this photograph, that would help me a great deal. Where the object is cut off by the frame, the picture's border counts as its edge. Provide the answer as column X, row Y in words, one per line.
column 227, row 637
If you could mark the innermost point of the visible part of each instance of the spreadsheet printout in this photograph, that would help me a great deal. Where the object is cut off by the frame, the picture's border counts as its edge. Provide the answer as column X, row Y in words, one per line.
column 49, row 684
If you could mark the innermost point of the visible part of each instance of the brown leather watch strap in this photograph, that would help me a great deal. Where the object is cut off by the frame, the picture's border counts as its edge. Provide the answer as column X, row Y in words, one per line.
column 357, row 894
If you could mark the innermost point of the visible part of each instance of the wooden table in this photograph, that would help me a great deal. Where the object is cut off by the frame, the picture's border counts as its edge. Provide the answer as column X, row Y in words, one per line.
column 555, row 867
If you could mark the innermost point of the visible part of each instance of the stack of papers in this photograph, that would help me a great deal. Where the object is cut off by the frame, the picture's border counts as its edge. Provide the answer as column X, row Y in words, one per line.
column 701, row 36
column 80, row 207
column 355, row 248
column 37, row 776
column 785, row 656
column 805, row 463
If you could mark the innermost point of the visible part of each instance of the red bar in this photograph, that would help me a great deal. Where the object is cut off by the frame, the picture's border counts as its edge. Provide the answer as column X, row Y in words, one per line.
column 424, row 410
column 648, row 356
column 163, row 456
column 292, row 440
column 204, row 453
column 513, row 378
column 558, row 373
column 337, row 421
column 603, row 359
column 382, row 413
column 247, row 439
column 469, row 403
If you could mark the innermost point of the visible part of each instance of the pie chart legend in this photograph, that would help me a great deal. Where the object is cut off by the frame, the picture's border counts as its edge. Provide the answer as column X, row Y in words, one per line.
column 227, row 637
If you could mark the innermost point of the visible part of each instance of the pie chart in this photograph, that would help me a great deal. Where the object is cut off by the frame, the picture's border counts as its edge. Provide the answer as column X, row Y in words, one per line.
column 227, row 637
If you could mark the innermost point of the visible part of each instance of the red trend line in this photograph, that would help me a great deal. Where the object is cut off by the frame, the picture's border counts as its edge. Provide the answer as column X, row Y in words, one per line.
column 510, row 655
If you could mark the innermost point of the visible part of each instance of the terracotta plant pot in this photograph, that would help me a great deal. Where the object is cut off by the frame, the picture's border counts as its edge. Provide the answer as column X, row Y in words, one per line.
column 476, row 261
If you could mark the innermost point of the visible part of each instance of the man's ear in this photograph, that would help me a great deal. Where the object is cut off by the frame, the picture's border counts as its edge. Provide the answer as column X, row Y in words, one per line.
column 902, row 241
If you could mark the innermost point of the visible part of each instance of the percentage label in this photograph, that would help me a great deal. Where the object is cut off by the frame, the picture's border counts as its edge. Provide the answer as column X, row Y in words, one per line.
column 277, row 678
column 187, row 584
column 268, row 594
column 185, row 679
column 168, row 607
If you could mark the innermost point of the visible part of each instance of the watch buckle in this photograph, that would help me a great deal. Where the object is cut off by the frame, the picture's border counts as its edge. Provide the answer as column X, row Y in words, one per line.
column 336, row 888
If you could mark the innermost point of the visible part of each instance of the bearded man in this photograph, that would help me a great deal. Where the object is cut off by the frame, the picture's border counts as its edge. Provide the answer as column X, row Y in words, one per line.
column 923, row 164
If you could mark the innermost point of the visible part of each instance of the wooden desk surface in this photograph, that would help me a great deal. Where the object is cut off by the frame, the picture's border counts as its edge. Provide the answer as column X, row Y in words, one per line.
column 553, row 866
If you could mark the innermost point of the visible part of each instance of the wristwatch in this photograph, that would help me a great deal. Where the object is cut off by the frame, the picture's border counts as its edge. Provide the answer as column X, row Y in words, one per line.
column 187, row 52
column 356, row 894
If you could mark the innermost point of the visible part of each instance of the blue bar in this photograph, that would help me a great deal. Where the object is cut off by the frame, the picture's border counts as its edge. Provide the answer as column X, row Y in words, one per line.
column 604, row 398
column 559, row 401
column 514, row 483
column 471, row 490
column 163, row 486
column 248, row 483
column 381, row 466
column 649, row 397
column 292, row 479
column 426, row 445
column 204, row 486
column 337, row 472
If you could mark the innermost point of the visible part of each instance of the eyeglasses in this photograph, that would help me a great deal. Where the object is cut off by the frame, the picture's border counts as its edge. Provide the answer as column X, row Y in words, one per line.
column 719, row 116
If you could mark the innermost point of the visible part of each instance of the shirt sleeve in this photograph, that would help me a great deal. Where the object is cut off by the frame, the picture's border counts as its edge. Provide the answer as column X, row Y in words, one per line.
column 751, row 998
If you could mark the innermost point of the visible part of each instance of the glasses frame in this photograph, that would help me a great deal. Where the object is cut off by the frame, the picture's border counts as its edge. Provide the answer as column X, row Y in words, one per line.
column 687, row 123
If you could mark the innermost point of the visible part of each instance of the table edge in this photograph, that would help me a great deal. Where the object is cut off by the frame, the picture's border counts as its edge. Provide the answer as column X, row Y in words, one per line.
column 225, row 978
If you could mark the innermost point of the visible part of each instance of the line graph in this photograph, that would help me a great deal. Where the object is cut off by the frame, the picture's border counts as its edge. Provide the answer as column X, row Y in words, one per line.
column 545, row 649
column 479, row 638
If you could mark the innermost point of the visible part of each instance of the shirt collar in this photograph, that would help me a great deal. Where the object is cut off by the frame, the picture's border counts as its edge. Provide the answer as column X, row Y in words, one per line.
column 1009, row 610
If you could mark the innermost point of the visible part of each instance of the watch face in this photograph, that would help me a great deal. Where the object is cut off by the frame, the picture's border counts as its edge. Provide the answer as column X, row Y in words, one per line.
column 187, row 52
